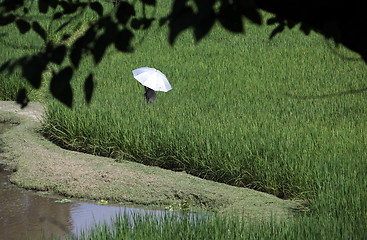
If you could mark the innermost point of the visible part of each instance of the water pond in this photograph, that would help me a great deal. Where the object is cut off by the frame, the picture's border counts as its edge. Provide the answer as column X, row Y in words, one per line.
column 30, row 215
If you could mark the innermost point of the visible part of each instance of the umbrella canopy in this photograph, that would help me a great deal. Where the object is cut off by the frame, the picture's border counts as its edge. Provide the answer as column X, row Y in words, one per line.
column 152, row 78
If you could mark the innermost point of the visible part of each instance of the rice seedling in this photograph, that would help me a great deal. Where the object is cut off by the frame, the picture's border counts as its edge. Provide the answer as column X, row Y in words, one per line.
column 285, row 116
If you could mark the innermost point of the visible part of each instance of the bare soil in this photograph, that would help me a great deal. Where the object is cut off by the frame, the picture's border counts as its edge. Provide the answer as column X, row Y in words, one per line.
column 40, row 165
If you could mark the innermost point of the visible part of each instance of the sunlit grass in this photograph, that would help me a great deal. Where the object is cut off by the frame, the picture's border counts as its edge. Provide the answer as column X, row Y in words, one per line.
column 239, row 115
column 279, row 116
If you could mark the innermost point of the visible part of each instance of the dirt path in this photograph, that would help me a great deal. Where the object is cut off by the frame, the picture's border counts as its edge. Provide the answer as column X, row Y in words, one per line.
column 40, row 165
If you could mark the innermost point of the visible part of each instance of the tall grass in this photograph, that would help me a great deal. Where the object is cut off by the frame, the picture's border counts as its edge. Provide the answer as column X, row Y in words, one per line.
column 14, row 45
column 238, row 113
column 280, row 116
column 146, row 226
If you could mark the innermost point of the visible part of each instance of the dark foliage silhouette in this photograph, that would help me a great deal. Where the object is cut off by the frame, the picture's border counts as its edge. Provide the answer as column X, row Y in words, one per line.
column 343, row 22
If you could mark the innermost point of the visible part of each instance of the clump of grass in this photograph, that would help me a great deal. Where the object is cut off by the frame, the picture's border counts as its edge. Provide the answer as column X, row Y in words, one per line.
column 9, row 87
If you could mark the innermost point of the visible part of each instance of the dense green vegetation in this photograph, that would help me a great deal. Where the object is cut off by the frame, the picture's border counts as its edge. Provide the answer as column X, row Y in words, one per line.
column 148, row 226
column 275, row 116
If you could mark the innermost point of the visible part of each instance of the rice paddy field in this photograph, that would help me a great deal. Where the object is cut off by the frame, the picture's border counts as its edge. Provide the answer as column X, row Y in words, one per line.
column 284, row 116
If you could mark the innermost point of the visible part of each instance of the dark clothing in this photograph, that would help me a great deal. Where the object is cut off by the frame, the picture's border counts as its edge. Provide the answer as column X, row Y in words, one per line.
column 149, row 95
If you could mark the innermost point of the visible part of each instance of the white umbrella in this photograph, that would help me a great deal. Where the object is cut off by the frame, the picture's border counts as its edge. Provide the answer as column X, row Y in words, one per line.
column 152, row 78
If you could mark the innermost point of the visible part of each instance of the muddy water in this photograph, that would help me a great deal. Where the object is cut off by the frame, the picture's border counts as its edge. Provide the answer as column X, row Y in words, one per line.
column 28, row 215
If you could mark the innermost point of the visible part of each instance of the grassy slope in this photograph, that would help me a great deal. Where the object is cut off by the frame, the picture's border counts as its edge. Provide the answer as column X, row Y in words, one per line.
column 237, row 114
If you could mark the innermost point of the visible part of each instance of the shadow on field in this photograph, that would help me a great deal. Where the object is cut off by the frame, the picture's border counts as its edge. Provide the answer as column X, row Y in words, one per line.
column 118, row 25
column 337, row 94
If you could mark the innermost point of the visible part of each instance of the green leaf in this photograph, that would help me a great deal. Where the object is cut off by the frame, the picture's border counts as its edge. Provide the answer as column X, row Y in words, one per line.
column 65, row 37
column 273, row 20
column 141, row 23
column 60, row 86
column 4, row 65
column 291, row 24
column 23, row 26
column 11, row 5
column 277, row 30
column 63, row 25
column 22, row 98
column 253, row 14
column 123, row 40
column 5, row 20
column 124, row 12
column 58, row 54
column 57, row 15
column 32, row 69
column 203, row 25
column 80, row 44
column 69, row 7
column 88, row 88
column 204, row 19
column 39, row 30
column 75, row 56
column 103, row 202
column 97, row 7
column 65, row 200
column 149, row 2
column 43, row 6
column 230, row 18
column 181, row 20
column 305, row 29
column 100, row 47
column 25, row 10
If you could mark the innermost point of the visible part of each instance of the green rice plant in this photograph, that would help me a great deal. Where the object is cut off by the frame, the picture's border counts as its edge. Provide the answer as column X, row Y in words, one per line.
column 15, row 45
column 173, row 226
column 9, row 87
column 278, row 116
column 237, row 115
column 285, row 116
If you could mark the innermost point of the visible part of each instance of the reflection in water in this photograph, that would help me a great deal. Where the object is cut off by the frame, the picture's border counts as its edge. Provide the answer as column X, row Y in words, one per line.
column 26, row 215
column 86, row 215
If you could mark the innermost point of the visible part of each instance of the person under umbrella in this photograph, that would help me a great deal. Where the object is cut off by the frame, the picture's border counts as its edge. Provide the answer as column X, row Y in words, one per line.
column 152, row 80
column 149, row 95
